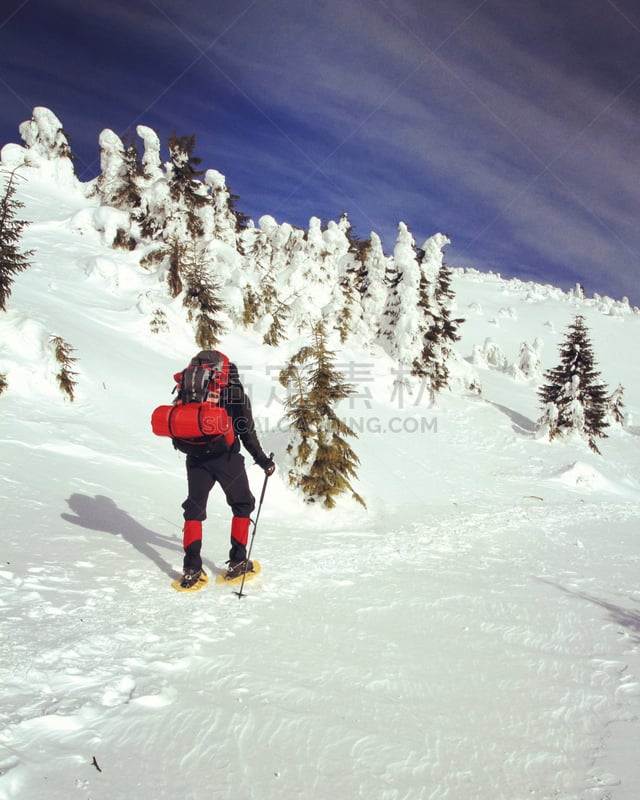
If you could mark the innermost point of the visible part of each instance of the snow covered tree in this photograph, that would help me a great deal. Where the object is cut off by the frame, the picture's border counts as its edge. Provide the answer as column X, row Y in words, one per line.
column 242, row 219
column 176, row 253
column 269, row 258
column 372, row 286
column 529, row 359
column 151, row 163
column 186, row 191
column 44, row 135
column 439, row 329
column 65, row 376
column 201, row 296
column 417, row 325
column 323, row 461
column 154, row 194
column 12, row 259
column 573, row 398
column 615, row 407
column 220, row 218
column 347, row 310
column 118, row 184
column 401, row 328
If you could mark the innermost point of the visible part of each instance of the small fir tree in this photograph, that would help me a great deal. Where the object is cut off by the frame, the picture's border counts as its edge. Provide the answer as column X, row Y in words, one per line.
column 159, row 323
column 250, row 307
column 277, row 331
column 202, row 297
column 66, row 376
column 12, row 259
column 573, row 398
column 3, row 382
column 323, row 461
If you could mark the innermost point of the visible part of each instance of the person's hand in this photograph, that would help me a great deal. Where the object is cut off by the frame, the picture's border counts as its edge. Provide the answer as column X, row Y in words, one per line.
column 267, row 464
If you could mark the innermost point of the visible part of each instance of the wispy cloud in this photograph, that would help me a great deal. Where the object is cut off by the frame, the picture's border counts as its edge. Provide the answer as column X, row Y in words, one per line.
column 512, row 127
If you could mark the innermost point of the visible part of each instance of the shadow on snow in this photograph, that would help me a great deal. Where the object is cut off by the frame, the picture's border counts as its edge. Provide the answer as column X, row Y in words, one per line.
column 100, row 513
column 521, row 424
column 624, row 617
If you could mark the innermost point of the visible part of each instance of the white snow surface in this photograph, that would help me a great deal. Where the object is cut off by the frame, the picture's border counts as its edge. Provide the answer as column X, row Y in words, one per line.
column 474, row 634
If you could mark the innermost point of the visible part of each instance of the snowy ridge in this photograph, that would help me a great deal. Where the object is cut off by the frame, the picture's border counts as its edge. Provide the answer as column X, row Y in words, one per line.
column 475, row 633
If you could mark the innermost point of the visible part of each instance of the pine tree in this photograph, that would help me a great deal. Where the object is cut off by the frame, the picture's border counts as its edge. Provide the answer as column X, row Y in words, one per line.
column 12, row 259
column 176, row 252
column 3, row 382
column 373, row 287
column 250, row 306
column 347, row 248
column 202, row 297
column 360, row 249
column 127, row 196
column 184, row 187
column 121, row 172
column 277, row 331
column 401, row 325
column 346, row 313
column 323, row 461
column 440, row 331
column 266, row 258
column 615, row 406
column 66, row 376
column 573, row 398
column 242, row 219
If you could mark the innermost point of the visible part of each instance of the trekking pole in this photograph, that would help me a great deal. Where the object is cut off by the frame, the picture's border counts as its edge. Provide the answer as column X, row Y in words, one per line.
column 240, row 593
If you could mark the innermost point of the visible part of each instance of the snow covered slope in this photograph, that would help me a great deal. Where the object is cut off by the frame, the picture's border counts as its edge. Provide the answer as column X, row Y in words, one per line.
column 473, row 635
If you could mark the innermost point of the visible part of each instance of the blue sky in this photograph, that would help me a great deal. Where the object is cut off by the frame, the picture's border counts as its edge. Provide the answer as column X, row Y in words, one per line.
column 510, row 125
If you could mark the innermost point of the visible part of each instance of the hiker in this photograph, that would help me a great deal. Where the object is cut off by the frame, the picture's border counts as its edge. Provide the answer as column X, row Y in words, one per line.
column 216, row 458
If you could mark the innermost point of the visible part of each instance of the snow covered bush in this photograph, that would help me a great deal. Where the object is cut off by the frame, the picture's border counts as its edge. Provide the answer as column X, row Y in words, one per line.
column 615, row 413
column 529, row 359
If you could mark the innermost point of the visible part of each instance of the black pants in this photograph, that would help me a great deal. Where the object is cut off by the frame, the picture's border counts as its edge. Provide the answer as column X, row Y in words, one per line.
column 228, row 470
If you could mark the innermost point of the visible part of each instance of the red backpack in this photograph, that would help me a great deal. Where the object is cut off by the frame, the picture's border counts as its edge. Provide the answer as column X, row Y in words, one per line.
column 192, row 420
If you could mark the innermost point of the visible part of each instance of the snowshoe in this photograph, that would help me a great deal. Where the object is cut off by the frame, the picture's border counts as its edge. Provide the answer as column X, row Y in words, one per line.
column 237, row 568
column 191, row 581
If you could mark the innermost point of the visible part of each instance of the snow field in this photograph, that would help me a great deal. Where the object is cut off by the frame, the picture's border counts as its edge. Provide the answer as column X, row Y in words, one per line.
column 475, row 633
